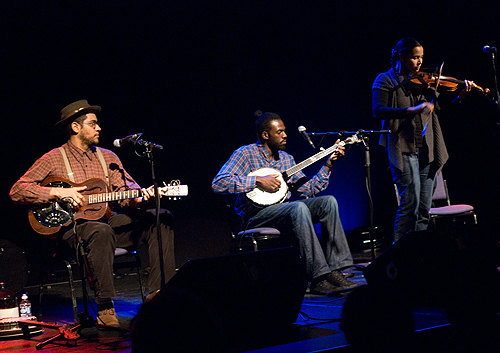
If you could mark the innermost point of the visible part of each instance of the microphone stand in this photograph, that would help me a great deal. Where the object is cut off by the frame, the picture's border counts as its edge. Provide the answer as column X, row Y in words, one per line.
column 364, row 135
column 497, row 93
column 149, row 147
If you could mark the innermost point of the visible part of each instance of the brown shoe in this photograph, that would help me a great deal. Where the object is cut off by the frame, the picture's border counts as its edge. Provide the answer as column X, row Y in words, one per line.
column 322, row 286
column 151, row 295
column 338, row 279
column 108, row 317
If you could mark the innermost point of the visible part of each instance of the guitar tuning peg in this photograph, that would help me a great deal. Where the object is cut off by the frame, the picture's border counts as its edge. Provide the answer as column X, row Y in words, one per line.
column 175, row 182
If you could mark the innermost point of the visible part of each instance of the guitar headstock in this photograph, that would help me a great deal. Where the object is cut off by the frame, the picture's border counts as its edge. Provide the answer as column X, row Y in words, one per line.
column 173, row 189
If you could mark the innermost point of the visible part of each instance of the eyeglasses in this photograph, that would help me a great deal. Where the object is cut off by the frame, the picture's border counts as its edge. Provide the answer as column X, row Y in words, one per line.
column 93, row 123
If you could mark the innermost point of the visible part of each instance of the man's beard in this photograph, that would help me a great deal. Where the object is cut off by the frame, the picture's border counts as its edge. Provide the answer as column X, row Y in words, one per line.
column 275, row 146
column 89, row 141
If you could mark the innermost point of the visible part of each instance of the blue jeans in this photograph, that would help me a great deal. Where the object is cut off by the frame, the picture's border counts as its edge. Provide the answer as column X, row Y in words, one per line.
column 298, row 218
column 415, row 186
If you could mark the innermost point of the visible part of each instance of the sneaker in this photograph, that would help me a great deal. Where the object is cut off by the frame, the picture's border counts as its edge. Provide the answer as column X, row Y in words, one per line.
column 324, row 287
column 338, row 279
column 108, row 317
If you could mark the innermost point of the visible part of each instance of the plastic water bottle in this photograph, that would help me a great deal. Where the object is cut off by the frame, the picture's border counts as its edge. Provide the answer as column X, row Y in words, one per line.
column 25, row 306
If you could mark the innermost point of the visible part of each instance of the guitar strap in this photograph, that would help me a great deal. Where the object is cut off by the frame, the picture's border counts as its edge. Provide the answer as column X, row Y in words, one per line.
column 71, row 176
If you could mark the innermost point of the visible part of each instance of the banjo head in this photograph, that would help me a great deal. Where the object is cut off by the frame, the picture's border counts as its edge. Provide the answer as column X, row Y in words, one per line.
column 264, row 198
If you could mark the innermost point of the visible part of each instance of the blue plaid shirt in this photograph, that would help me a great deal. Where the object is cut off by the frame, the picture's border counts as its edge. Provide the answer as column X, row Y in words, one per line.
column 232, row 177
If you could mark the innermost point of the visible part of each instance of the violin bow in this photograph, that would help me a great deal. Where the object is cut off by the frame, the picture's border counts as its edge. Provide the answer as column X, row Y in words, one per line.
column 433, row 98
column 438, row 81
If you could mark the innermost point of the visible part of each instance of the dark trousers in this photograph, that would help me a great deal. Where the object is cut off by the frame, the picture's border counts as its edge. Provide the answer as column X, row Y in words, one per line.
column 122, row 230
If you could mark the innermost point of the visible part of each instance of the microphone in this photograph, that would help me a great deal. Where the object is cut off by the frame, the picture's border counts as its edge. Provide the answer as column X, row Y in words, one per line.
column 488, row 50
column 127, row 139
column 302, row 131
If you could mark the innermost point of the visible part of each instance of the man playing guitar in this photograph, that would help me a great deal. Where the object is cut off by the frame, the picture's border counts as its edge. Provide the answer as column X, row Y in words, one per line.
column 240, row 175
column 79, row 160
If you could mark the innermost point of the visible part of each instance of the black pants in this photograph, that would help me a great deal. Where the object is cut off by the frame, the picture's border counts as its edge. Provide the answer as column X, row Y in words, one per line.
column 101, row 238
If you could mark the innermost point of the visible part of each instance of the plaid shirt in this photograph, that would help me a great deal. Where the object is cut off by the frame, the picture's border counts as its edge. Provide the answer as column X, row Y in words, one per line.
column 85, row 165
column 233, row 179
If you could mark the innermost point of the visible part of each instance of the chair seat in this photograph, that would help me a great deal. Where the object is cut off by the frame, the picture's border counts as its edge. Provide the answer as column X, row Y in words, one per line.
column 450, row 210
column 256, row 239
column 121, row 251
column 260, row 232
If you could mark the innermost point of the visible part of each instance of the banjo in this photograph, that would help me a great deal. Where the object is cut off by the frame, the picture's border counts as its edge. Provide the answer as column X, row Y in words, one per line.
column 263, row 198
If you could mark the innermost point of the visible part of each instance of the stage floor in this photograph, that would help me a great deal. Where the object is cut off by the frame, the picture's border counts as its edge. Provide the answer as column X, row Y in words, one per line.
column 316, row 329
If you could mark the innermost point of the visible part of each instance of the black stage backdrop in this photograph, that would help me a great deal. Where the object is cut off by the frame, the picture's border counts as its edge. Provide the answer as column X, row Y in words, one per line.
column 190, row 74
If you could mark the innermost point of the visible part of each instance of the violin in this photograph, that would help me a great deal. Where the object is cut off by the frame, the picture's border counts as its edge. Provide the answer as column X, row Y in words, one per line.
column 446, row 83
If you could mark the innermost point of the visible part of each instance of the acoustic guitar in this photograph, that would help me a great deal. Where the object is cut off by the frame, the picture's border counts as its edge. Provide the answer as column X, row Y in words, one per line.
column 48, row 219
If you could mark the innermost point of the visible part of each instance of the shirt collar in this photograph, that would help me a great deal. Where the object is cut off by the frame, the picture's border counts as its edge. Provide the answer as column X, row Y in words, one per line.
column 78, row 153
column 265, row 153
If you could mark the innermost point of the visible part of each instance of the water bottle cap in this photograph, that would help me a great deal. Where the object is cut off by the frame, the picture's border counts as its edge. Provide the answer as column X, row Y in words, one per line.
column 24, row 296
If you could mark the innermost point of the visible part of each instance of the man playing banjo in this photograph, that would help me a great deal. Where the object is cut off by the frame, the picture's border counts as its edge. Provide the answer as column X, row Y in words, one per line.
column 243, row 174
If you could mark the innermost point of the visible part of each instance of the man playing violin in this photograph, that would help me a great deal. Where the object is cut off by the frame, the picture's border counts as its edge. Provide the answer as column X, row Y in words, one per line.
column 415, row 145
column 132, row 222
column 295, row 218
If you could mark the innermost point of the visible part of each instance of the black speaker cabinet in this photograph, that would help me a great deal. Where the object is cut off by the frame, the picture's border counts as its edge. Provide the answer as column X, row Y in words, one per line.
column 13, row 266
column 419, row 266
column 217, row 304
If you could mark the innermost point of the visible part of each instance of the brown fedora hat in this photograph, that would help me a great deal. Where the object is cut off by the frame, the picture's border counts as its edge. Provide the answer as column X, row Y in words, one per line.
column 75, row 109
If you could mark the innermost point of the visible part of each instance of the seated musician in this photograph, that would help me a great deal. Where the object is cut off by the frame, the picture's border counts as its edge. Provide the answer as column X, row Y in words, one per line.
column 79, row 160
column 324, row 260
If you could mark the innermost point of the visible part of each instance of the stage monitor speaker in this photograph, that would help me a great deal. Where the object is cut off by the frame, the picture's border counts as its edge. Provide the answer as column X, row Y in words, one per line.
column 217, row 304
column 419, row 265
column 13, row 266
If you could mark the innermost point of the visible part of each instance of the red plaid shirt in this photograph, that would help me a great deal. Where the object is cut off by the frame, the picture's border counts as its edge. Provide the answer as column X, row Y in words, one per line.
column 85, row 165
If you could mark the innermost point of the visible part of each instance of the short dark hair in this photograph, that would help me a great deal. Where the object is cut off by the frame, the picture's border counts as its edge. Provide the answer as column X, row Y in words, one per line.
column 263, row 122
column 403, row 48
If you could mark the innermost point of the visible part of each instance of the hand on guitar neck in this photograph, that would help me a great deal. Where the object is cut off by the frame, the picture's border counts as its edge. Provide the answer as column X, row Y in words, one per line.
column 147, row 195
column 268, row 183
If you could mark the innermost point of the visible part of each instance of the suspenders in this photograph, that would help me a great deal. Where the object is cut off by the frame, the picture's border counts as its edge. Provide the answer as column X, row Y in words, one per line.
column 104, row 167
column 71, row 175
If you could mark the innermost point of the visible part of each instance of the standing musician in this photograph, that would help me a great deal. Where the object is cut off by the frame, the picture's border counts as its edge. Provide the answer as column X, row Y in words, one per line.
column 79, row 160
column 415, row 145
column 324, row 262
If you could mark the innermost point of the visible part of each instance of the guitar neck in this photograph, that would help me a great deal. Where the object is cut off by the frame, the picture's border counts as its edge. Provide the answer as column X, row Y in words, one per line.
column 313, row 159
column 113, row 196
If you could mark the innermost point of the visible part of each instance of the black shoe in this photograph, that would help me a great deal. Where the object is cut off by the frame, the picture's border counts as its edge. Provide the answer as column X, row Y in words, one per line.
column 338, row 279
column 324, row 287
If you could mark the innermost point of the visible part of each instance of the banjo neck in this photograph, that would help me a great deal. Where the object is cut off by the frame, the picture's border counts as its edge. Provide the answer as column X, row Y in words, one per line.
column 313, row 159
